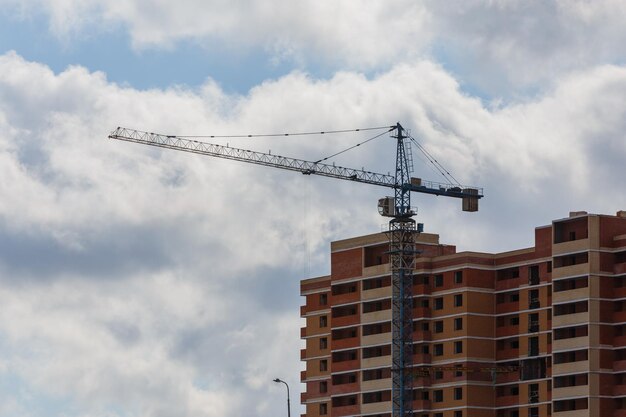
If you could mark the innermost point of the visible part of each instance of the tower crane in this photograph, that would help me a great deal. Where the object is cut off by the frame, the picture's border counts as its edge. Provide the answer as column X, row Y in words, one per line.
column 402, row 227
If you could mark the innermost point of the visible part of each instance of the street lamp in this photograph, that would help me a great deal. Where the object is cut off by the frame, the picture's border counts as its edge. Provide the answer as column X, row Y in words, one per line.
column 288, row 406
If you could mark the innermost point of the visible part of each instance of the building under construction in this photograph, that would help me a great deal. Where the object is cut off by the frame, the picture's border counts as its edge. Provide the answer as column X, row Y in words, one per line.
column 527, row 333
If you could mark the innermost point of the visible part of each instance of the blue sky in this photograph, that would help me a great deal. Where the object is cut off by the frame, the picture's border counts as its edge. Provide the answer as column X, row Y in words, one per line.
column 190, row 62
column 146, row 283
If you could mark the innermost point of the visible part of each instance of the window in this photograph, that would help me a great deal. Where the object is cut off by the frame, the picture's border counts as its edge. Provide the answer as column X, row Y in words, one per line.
column 458, row 277
column 458, row 393
column 439, row 303
column 323, row 301
column 458, row 323
column 425, row 349
column 514, row 321
column 458, row 300
column 323, row 387
column 533, row 393
column 533, row 299
column 323, row 343
column 533, row 346
column 323, row 409
column 458, row 347
column 514, row 297
column 514, row 344
column 533, row 322
column 458, row 413
column 438, row 326
column 438, row 396
column 533, row 275
column 438, row 374
column 323, row 321
column 438, row 349
column 324, row 365
column 439, row 280
column 425, row 326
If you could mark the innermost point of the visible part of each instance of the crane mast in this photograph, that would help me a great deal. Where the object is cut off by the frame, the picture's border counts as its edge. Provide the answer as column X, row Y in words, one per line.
column 402, row 253
column 402, row 230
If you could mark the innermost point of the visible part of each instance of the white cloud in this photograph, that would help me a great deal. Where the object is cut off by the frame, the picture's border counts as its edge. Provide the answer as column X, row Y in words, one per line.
column 503, row 48
column 345, row 31
column 516, row 45
column 164, row 284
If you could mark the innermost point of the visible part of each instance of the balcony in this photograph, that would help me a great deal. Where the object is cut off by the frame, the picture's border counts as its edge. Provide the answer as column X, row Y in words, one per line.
column 421, row 312
column 345, row 366
column 568, row 392
column 372, row 271
column 571, row 413
column 374, row 408
column 345, row 298
column 376, row 316
column 507, row 354
column 571, row 367
column 619, row 316
column 507, row 331
column 619, row 390
column 376, row 385
column 375, row 362
column 302, row 332
column 533, row 327
column 343, row 321
column 422, row 335
column 619, row 268
column 619, row 341
column 570, row 319
column 511, row 283
column 570, row 271
column 619, row 366
column 571, row 343
column 507, row 401
column 344, row 388
column 376, row 339
column 422, row 358
column 502, row 378
column 509, row 307
column 421, row 405
column 570, row 246
column 376, row 293
column 349, row 342
column 345, row 410
column 568, row 295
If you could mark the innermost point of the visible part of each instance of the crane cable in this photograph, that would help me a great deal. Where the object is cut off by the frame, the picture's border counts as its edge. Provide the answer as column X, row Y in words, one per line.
column 443, row 171
column 355, row 146
column 285, row 134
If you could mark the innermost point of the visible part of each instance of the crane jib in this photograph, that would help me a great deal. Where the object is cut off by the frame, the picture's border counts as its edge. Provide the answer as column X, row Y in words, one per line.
column 293, row 164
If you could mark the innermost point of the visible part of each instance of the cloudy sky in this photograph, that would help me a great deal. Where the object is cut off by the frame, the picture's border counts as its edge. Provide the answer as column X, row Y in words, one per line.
column 136, row 282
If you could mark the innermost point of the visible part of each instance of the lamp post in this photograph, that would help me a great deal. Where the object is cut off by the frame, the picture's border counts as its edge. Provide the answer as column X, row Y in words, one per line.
column 288, row 405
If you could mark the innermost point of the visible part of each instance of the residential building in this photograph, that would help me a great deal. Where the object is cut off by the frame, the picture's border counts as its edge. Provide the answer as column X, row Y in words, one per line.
column 534, row 332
